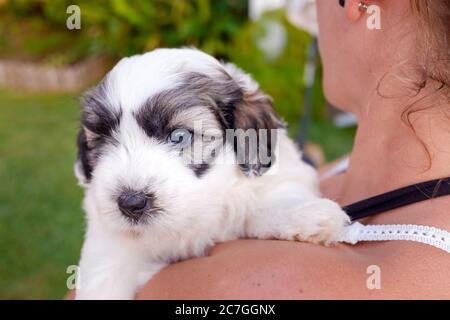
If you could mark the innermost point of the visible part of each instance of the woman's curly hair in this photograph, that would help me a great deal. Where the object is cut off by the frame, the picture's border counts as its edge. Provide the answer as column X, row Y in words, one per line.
column 433, row 40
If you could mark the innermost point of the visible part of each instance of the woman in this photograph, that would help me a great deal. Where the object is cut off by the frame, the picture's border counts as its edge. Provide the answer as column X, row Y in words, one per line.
column 396, row 80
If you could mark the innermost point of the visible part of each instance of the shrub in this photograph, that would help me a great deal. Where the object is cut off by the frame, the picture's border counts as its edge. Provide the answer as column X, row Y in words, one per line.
column 36, row 29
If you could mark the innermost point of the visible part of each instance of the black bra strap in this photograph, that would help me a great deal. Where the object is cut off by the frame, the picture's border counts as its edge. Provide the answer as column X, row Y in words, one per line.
column 399, row 198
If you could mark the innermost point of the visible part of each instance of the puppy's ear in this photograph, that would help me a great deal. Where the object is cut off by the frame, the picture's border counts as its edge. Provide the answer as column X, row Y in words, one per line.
column 82, row 167
column 87, row 139
column 87, row 142
column 98, row 123
column 256, row 125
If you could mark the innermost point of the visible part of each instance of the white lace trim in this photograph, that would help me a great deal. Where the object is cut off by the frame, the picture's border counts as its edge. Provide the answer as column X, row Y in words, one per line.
column 435, row 237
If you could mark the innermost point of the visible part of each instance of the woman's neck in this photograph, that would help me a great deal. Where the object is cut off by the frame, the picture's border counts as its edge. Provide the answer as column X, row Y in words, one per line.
column 389, row 153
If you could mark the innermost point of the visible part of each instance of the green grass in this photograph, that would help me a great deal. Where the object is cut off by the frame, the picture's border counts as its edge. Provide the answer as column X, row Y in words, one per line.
column 41, row 221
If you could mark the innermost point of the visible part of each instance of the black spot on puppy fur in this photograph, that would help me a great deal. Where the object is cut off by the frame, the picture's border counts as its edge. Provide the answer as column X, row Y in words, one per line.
column 200, row 169
column 195, row 90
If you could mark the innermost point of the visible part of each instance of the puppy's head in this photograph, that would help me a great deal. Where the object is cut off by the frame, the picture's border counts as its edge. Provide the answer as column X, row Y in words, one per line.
column 152, row 132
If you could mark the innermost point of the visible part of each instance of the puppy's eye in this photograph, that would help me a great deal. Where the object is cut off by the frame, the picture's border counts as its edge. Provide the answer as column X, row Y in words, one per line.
column 180, row 136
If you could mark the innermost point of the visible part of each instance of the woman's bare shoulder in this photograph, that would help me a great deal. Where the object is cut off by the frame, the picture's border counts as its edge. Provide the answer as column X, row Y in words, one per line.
column 256, row 269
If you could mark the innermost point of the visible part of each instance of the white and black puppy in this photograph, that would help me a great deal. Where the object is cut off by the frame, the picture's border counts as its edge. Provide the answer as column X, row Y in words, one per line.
column 148, row 204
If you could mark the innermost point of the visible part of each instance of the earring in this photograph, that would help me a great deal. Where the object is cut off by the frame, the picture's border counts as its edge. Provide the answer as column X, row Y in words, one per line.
column 362, row 6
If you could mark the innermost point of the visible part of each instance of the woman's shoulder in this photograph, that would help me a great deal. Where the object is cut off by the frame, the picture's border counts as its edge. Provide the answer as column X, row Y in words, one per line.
column 256, row 269
column 245, row 269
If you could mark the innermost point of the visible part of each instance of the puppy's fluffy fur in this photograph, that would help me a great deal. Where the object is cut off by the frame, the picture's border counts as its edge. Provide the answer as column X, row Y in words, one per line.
column 124, row 147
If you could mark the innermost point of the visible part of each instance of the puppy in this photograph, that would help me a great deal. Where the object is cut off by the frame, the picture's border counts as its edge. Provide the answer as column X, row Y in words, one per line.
column 168, row 170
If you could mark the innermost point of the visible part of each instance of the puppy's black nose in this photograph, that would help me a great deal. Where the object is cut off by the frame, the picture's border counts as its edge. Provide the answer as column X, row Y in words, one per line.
column 133, row 204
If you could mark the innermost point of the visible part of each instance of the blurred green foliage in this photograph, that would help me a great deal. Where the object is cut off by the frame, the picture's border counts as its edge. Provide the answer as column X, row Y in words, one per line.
column 37, row 28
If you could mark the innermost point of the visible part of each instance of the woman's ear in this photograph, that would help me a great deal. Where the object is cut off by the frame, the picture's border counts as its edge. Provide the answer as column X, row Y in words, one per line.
column 253, row 116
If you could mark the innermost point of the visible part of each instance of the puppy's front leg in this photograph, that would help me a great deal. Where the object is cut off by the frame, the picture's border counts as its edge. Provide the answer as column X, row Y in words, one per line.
column 288, row 213
column 112, row 271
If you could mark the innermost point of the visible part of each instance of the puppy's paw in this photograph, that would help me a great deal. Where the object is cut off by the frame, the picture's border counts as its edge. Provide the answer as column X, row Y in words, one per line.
column 318, row 222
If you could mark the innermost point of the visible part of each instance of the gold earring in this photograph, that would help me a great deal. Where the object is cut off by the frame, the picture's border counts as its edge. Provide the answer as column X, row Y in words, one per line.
column 362, row 6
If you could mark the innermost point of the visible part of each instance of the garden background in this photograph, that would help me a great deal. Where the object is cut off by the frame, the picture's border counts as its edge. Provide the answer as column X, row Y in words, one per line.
column 41, row 221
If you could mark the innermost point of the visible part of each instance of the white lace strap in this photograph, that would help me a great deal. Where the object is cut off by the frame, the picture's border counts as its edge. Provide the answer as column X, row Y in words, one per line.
column 435, row 237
